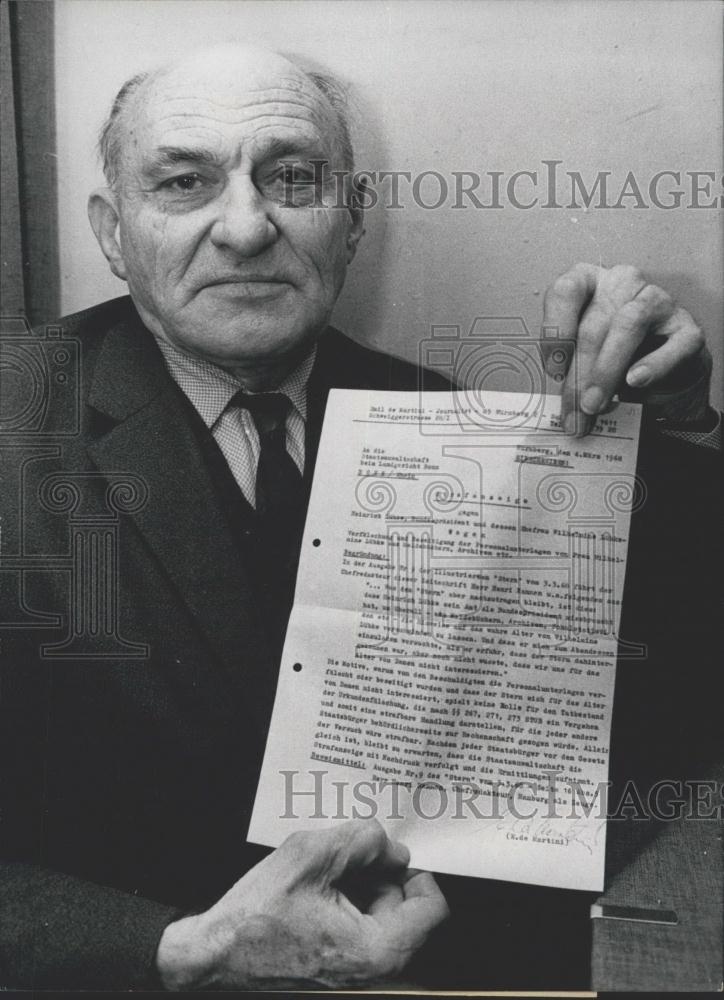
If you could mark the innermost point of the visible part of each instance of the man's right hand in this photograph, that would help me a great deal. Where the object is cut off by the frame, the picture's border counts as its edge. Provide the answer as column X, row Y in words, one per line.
column 290, row 921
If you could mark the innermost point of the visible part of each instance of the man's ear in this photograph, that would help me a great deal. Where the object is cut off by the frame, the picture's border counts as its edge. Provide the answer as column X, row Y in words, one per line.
column 103, row 215
column 356, row 212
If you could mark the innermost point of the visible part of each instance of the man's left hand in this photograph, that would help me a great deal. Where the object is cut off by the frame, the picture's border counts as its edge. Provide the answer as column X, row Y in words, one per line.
column 625, row 334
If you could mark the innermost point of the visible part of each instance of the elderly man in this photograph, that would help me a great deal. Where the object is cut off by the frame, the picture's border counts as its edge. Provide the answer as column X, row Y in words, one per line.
column 134, row 767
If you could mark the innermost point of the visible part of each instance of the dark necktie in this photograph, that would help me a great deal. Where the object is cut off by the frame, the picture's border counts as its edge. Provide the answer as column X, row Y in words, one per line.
column 274, row 546
column 278, row 480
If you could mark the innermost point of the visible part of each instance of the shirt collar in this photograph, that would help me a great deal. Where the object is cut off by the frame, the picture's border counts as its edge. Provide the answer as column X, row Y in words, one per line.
column 209, row 387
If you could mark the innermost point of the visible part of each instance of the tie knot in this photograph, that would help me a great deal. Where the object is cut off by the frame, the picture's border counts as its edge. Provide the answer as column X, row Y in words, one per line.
column 268, row 409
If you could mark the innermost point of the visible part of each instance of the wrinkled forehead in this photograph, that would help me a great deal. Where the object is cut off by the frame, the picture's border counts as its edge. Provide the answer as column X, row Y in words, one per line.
column 236, row 110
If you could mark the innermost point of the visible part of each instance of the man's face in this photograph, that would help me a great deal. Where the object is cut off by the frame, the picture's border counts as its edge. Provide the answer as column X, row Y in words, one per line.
column 217, row 259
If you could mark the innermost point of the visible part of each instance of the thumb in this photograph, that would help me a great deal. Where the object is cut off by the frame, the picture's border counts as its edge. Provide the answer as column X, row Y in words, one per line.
column 357, row 844
column 408, row 922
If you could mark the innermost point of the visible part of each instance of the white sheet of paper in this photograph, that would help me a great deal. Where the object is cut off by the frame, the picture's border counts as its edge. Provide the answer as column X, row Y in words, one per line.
column 449, row 663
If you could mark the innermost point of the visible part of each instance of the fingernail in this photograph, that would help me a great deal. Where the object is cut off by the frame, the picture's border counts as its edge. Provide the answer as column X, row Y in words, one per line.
column 592, row 400
column 571, row 424
column 639, row 376
column 610, row 406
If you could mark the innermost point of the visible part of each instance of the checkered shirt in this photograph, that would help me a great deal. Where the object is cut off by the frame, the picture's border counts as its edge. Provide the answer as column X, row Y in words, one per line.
column 210, row 388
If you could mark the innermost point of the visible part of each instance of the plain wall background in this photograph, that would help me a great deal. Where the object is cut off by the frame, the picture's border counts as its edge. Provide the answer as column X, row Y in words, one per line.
column 481, row 85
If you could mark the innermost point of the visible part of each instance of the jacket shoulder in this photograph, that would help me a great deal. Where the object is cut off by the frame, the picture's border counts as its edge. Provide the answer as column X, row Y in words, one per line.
column 90, row 324
column 345, row 364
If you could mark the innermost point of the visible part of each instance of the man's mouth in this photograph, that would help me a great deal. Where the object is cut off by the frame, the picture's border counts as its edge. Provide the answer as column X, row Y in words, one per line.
column 251, row 286
column 247, row 279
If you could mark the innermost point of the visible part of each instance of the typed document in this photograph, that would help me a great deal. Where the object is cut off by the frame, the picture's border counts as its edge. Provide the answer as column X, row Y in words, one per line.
column 450, row 660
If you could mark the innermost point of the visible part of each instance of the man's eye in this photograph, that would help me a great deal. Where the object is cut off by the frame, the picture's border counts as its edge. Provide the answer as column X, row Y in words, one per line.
column 293, row 178
column 293, row 187
column 303, row 178
column 184, row 183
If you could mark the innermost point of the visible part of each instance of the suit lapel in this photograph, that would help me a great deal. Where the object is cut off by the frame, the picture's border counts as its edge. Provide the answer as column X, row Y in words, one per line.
column 148, row 431
column 335, row 366
column 182, row 522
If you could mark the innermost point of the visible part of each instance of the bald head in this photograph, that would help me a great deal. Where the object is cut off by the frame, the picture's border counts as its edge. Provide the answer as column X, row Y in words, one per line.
column 229, row 69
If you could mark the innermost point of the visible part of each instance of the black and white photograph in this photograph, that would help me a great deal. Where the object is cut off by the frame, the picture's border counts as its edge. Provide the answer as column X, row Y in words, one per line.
column 361, row 390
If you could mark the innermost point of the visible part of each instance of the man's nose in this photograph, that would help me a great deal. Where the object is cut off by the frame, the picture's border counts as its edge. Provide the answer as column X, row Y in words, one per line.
column 243, row 224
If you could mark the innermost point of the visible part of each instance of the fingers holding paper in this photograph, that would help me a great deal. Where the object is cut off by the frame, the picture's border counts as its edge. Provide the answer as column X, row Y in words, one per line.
column 624, row 334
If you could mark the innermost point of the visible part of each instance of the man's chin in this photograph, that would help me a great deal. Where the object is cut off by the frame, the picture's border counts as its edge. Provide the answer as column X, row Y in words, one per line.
column 232, row 314
column 246, row 339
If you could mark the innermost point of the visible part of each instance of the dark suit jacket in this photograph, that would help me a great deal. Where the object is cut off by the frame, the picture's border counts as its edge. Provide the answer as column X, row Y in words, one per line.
column 130, row 775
